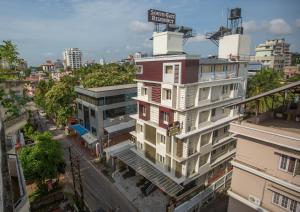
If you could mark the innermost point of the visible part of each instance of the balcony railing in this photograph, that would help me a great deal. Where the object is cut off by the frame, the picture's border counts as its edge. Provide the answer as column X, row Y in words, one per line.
column 217, row 75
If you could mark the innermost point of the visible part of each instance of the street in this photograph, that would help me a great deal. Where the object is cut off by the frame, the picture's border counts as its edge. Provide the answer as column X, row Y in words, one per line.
column 99, row 192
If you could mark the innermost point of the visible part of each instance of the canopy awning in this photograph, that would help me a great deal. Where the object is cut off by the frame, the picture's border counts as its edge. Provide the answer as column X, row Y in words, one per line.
column 89, row 138
column 147, row 170
column 120, row 127
column 79, row 129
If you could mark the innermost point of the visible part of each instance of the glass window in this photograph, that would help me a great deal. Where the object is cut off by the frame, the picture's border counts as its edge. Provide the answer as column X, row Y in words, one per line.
column 92, row 112
column 165, row 117
column 213, row 112
column 169, row 69
column 167, row 94
column 161, row 138
column 293, row 206
column 284, row 202
column 113, row 113
column 144, row 91
column 144, row 111
column 292, row 165
column 275, row 198
column 79, row 106
column 94, row 132
column 139, row 69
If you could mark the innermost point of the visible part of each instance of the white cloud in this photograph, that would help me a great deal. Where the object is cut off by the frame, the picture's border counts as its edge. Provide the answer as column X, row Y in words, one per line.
column 298, row 22
column 138, row 26
column 280, row 27
column 276, row 26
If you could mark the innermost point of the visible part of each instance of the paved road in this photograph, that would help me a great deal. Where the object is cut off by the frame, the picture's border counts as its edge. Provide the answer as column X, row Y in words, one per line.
column 99, row 192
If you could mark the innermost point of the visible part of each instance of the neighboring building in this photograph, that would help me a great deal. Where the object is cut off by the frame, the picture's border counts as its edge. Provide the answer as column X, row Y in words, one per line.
column 4, row 64
column 295, row 58
column 12, row 182
column 56, row 76
column 105, row 111
column 101, row 61
column 266, row 169
column 273, row 54
column 291, row 71
column 58, row 65
column 253, row 68
column 72, row 58
column 22, row 65
column 48, row 66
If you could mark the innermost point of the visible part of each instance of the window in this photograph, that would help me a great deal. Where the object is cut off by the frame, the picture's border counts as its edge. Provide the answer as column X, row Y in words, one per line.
column 287, row 164
column 213, row 112
column 139, row 128
column 113, row 113
column 225, row 89
column 275, row 199
column 144, row 91
column 215, row 134
column 165, row 117
column 92, row 112
column 160, row 158
column 169, row 69
column 161, row 138
column 94, row 131
column 79, row 106
column 144, row 111
column 139, row 69
column 167, row 94
column 226, row 129
column 293, row 206
column 285, row 202
column 203, row 94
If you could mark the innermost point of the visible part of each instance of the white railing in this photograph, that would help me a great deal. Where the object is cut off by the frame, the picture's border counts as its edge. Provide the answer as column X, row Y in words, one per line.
column 217, row 75
column 204, row 195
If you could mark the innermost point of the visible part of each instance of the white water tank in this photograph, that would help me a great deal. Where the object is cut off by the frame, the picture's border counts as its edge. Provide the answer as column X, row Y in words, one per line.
column 167, row 43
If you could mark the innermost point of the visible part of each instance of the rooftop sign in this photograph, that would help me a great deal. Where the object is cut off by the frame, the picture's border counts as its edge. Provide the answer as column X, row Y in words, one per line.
column 161, row 17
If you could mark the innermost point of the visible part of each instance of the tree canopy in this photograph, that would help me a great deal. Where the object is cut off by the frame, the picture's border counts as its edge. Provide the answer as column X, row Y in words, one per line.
column 9, row 52
column 263, row 81
column 106, row 75
column 44, row 160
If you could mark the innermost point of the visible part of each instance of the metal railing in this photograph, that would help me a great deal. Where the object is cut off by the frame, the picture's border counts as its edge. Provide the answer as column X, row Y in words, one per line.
column 218, row 75
column 204, row 195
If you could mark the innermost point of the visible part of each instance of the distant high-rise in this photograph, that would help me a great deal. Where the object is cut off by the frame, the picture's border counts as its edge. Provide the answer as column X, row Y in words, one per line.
column 273, row 54
column 72, row 58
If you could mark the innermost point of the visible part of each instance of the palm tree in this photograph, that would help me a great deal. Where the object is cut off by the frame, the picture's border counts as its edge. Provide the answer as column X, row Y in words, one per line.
column 263, row 81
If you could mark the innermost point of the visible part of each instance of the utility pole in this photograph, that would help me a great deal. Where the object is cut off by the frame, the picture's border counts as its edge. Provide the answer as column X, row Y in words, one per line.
column 76, row 178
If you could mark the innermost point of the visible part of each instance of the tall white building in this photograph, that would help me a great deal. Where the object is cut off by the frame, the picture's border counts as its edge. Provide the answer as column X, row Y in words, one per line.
column 72, row 58
column 273, row 54
column 182, row 122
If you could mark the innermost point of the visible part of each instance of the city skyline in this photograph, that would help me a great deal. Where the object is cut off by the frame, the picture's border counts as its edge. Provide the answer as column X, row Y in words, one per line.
column 112, row 30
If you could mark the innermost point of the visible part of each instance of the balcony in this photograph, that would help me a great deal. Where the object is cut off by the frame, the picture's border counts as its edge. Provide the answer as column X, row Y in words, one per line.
column 219, row 138
column 217, row 76
column 15, row 123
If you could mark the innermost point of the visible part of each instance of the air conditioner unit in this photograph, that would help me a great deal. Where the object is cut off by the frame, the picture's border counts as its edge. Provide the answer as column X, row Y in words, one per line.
column 254, row 199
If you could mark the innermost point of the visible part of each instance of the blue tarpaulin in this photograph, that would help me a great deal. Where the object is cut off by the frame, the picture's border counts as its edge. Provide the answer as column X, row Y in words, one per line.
column 79, row 129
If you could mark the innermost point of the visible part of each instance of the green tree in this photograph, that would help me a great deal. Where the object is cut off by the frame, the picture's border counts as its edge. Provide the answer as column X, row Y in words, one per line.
column 42, row 161
column 263, row 81
column 9, row 52
column 40, row 92
column 59, row 101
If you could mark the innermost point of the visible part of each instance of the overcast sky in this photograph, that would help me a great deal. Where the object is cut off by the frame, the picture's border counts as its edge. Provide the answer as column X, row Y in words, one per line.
column 112, row 29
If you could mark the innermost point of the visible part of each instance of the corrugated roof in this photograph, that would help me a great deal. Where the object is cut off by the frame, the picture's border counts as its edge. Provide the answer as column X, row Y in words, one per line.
column 152, row 174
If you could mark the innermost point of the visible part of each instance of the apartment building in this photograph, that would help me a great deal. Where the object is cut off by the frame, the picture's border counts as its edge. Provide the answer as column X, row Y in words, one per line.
column 182, row 138
column 72, row 58
column 266, row 169
column 273, row 54
column 104, row 111
column 48, row 66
